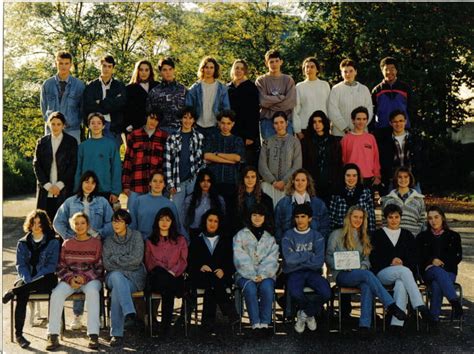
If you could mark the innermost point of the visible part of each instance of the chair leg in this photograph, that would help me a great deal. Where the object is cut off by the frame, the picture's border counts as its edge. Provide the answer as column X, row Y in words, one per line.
column 150, row 315
column 12, row 316
column 340, row 312
column 185, row 304
column 241, row 312
column 274, row 313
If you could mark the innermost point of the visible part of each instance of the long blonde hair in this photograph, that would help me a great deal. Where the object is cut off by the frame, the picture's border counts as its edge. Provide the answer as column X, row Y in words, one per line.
column 348, row 231
column 290, row 185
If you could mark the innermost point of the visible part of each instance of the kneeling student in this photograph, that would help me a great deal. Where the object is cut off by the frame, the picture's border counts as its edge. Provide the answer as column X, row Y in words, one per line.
column 303, row 254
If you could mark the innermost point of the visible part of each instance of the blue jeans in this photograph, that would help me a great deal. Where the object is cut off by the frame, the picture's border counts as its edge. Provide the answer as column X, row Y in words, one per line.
column 370, row 286
column 300, row 279
column 178, row 198
column 122, row 302
column 267, row 130
column 258, row 299
column 442, row 284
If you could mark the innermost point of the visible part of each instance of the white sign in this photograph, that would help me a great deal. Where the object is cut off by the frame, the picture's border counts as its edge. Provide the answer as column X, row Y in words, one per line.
column 346, row 260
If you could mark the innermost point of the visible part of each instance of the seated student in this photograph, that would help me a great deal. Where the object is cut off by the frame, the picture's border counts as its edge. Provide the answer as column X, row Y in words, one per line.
column 183, row 159
column 123, row 262
column 393, row 259
column 361, row 148
column 303, row 252
column 211, row 268
column 256, row 263
column 408, row 199
column 80, row 269
column 401, row 148
column 204, row 197
column 440, row 252
column 280, row 156
column 300, row 190
column 166, row 254
column 353, row 237
column 146, row 206
column 37, row 256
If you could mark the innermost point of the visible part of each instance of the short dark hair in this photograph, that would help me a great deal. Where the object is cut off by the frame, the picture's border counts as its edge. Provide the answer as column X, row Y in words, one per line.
column 57, row 115
column 260, row 209
column 312, row 60
column 108, row 59
column 44, row 221
column 272, row 54
column 216, row 212
column 304, row 208
column 204, row 61
column 279, row 114
column 165, row 61
column 395, row 113
column 85, row 176
column 122, row 214
column 157, row 172
column 226, row 113
column 390, row 209
column 406, row 170
column 347, row 62
column 388, row 61
column 360, row 109
column 154, row 111
column 62, row 54
column 95, row 114
column 186, row 110
column 351, row 166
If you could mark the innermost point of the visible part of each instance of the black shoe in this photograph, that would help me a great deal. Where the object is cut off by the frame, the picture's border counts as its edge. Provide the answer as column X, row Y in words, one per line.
column 93, row 341
column 364, row 333
column 8, row 296
column 396, row 331
column 116, row 341
column 130, row 320
column 457, row 309
column 426, row 314
column 396, row 311
column 53, row 342
column 23, row 342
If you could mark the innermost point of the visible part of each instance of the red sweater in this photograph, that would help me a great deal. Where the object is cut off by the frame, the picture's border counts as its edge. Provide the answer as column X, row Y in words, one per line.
column 363, row 151
column 81, row 258
column 167, row 254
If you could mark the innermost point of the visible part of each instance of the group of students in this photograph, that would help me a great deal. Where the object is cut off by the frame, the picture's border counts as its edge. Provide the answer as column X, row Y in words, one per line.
column 198, row 204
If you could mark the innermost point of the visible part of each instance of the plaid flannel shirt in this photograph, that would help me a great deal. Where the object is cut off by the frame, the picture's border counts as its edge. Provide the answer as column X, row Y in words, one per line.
column 338, row 209
column 144, row 155
column 173, row 150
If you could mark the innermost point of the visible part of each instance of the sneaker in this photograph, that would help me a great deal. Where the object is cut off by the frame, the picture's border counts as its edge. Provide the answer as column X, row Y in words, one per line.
column 8, row 296
column 256, row 326
column 300, row 322
column 53, row 342
column 22, row 342
column 76, row 322
column 311, row 323
column 116, row 341
column 457, row 309
column 263, row 326
column 93, row 341
column 396, row 311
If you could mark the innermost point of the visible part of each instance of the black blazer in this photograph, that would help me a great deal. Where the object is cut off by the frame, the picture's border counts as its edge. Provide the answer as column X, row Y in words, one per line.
column 66, row 161
column 384, row 251
column 113, row 103
column 135, row 108
column 446, row 247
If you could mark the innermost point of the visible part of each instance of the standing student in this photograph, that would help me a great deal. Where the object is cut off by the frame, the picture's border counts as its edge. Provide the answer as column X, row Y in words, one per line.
column 277, row 93
column 280, row 156
column 37, row 256
column 244, row 101
column 360, row 147
column 322, row 156
column 256, row 263
column 166, row 254
column 100, row 154
column 54, row 165
column 303, row 250
column 141, row 83
column 107, row 96
column 354, row 237
column 168, row 97
column 80, row 269
column 145, row 153
column 208, row 96
column 183, row 159
column 63, row 93
column 345, row 97
column 440, row 252
column 312, row 95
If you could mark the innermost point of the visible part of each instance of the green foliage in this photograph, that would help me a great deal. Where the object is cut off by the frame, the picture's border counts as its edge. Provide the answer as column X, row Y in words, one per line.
column 18, row 175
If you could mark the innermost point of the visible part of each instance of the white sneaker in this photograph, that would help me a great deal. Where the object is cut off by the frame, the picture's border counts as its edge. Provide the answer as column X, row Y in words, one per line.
column 263, row 325
column 76, row 323
column 256, row 326
column 311, row 323
column 300, row 322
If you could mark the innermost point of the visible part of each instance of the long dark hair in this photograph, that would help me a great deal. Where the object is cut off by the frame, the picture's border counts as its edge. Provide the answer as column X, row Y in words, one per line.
column 197, row 195
column 173, row 231
column 135, row 79
column 85, row 176
column 324, row 118
column 44, row 221
column 347, row 167
column 257, row 192
column 212, row 211
column 440, row 212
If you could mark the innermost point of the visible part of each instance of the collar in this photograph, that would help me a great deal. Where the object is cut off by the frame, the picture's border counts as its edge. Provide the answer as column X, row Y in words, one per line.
column 58, row 79
column 352, row 84
column 57, row 138
column 103, row 83
column 302, row 232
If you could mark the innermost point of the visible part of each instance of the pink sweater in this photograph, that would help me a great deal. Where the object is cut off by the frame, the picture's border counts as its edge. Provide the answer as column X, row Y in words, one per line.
column 363, row 151
column 81, row 258
column 167, row 254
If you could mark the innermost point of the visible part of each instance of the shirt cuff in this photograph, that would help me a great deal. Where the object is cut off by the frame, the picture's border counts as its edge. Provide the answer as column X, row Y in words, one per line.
column 60, row 185
column 47, row 186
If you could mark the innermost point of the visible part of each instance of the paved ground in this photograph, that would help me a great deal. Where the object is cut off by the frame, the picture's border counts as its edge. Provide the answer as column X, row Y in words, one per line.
column 449, row 340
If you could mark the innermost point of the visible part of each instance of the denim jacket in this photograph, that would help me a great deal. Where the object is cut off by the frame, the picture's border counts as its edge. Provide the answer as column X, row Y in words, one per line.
column 100, row 217
column 194, row 98
column 48, row 259
column 69, row 105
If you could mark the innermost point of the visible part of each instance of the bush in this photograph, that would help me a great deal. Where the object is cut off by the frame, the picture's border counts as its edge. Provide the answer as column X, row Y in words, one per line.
column 18, row 175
